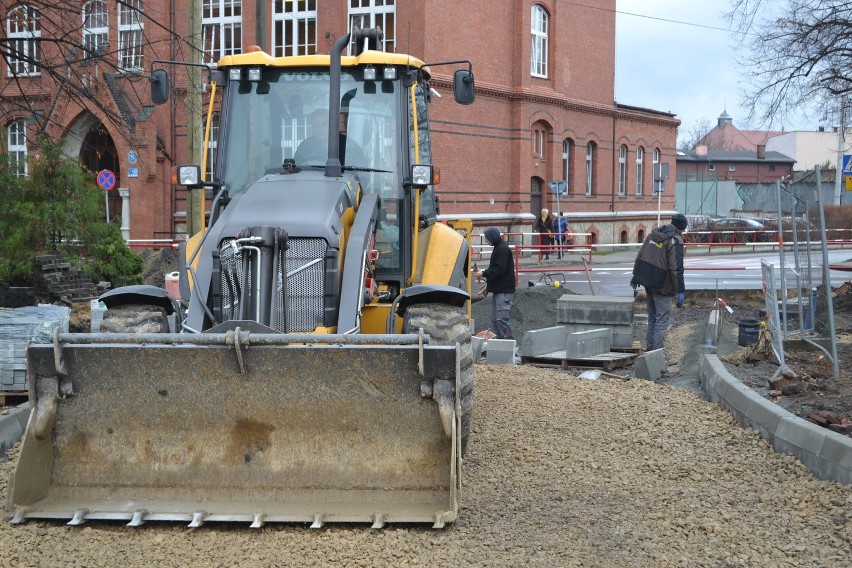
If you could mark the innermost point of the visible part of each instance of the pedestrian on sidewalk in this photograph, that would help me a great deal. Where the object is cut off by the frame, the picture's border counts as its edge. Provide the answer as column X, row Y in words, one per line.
column 544, row 227
column 500, row 282
column 560, row 227
column 659, row 268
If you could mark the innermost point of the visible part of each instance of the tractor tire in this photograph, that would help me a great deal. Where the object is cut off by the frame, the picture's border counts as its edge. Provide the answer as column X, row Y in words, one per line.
column 448, row 325
column 135, row 318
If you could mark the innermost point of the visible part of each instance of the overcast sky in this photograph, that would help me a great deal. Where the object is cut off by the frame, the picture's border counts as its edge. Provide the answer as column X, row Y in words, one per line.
column 666, row 64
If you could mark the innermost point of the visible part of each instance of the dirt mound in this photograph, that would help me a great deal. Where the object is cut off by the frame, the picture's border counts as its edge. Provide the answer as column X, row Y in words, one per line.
column 157, row 264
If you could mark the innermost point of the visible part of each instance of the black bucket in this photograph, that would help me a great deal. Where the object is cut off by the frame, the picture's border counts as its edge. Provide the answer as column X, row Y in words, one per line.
column 749, row 330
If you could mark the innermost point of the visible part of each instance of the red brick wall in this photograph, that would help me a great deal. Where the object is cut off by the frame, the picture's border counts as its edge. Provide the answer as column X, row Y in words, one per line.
column 483, row 150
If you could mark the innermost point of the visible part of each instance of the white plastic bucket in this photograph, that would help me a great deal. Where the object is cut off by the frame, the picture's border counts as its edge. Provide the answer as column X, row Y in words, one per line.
column 173, row 284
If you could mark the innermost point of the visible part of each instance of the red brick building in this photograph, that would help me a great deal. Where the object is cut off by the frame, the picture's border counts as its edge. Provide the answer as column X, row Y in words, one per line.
column 545, row 73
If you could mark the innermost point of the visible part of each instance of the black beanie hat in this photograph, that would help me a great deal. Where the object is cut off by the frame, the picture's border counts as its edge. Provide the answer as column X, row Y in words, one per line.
column 679, row 221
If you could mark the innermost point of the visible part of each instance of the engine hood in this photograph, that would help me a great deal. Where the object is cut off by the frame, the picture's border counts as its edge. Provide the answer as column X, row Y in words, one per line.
column 305, row 204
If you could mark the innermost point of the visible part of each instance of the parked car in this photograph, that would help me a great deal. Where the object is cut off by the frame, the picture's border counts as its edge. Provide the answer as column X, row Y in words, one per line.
column 696, row 230
column 738, row 230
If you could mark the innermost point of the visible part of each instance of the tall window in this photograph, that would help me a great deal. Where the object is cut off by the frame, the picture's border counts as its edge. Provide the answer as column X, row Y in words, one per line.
column 640, row 168
column 294, row 27
column 655, row 166
column 221, row 28
column 622, row 170
column 538, row 30
column 95, row 27
column 567, row 150
column 590, row 168
column 364, row 14
column 23, row 32
column 538, row 135
column 16, row 143
column 130, row 35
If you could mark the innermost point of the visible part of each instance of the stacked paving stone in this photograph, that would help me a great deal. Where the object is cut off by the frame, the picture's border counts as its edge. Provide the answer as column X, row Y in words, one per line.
column 57, row 280
column 591, row 327
column 584, row 313
column 15, row 296
column 20, row 327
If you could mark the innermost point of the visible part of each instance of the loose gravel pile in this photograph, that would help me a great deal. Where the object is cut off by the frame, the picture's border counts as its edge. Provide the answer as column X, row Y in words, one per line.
column 560, row 472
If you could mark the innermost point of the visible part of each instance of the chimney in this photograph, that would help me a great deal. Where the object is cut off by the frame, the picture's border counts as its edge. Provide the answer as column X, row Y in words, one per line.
column 701, row 150
column 761, row 151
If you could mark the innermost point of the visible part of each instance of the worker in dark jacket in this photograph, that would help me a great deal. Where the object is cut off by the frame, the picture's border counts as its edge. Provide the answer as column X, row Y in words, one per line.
column 659, row 268
column 500, row 282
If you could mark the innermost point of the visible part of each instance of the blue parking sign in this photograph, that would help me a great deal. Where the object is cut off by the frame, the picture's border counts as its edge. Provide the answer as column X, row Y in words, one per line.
column 847, row 163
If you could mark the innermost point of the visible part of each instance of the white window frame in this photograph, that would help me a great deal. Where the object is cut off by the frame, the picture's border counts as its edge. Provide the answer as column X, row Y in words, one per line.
column 298, row 20
column 23, row 34
column 131, row 29
column 711, row 167
column 539, row 20
column 16, row 145
column 732, row 167
column 221, row 29
column 640, row 170
column 365, row 14
column 95, row 27
column 590, row 168
column 567, row 150
column 622, row 170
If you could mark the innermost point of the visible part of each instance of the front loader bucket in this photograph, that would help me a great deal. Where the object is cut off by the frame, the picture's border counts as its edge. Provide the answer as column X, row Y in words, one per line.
column 154, row 428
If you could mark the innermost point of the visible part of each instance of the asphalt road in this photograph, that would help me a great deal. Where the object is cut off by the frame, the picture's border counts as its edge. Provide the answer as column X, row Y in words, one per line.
column 609, row 274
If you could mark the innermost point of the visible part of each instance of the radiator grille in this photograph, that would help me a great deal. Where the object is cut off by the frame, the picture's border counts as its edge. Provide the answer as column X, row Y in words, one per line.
column 305, row 294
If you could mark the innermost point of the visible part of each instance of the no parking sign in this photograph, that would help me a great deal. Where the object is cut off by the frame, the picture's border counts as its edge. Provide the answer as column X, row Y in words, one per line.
column 106, row 180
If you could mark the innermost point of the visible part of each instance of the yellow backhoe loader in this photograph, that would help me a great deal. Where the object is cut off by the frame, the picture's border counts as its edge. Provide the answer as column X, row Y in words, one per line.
column 318, row 366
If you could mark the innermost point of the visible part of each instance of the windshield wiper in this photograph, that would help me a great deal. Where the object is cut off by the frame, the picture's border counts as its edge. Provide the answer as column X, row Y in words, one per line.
column 360, row 169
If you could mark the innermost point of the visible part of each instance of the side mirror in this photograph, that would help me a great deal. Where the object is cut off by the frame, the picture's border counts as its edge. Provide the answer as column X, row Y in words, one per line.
column 463, row 87
column 159, row 86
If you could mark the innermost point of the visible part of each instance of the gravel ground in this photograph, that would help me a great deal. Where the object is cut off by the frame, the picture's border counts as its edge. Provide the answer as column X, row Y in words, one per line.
column 560, row 472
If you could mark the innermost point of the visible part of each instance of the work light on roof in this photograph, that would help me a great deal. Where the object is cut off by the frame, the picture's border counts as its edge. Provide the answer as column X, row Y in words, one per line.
column 369, row 73
column 389, row 73
column 254, row 74
column 235, row 74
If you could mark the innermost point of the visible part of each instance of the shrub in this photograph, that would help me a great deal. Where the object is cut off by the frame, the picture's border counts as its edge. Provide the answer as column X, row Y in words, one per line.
column 57, row 209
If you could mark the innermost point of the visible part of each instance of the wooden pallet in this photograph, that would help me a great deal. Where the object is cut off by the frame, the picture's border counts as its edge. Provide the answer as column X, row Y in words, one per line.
column 12, row 398
column 636, row 348
column 605, row 361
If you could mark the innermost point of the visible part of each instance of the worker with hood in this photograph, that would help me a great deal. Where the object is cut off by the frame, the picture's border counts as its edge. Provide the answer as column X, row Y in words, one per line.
column 659, row 268
column 500, row 282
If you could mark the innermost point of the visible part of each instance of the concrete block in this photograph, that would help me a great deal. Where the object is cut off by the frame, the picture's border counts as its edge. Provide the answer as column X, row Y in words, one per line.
column 650, row 365
column 836, row 455
column 11, row 428
column 500, row 352
column 622, row 335
column 542, row 341
column 737, row 399
column 476, row 344
column 610, row 310
column 581, row 344
column 640, row 327
column 801, row 438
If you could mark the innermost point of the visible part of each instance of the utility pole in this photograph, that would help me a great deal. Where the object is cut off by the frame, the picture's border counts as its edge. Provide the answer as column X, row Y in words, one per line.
column 194, row 197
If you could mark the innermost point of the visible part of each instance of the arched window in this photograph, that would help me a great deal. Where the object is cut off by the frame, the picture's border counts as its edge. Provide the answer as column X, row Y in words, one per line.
column 567, row 151
column 23, row 33
column 622, row 170
column 640, row 168
column 538, row 31
column 95, row 28
column 222, row 28
column 294, row 28
column 130, row 35
column 590, row 168
column 16, row 145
